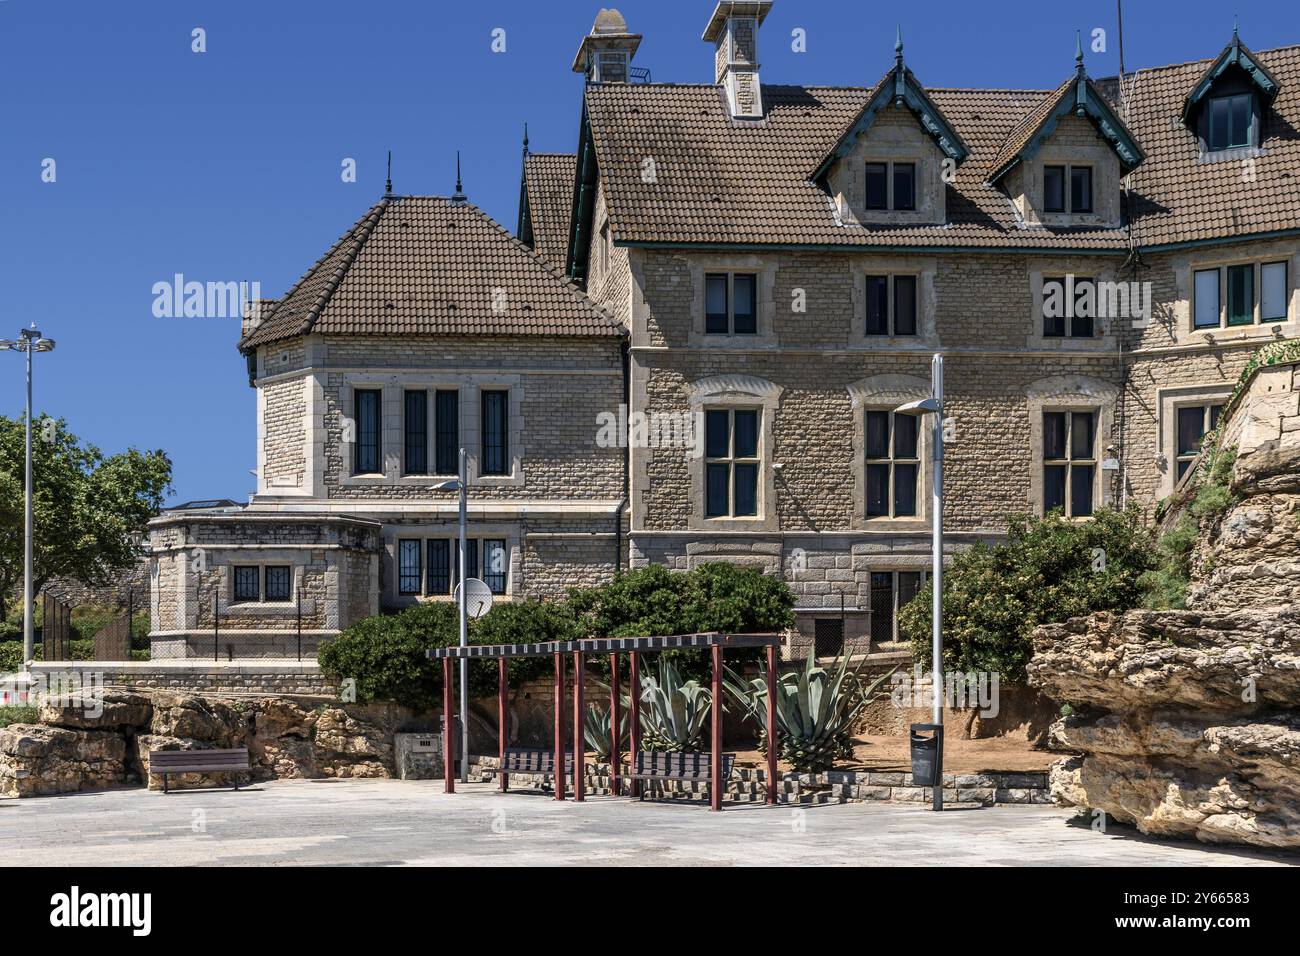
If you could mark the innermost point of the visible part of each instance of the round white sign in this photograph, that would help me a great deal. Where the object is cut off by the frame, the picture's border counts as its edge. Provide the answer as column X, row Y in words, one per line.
column 478, row 598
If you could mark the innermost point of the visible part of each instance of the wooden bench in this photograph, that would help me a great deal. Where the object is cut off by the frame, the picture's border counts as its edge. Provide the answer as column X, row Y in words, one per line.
column 532, row 761
column 167, row 762
column 681, row 767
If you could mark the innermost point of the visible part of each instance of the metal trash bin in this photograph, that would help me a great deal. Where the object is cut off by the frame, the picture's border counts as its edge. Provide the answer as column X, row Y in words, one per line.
column 927, row 754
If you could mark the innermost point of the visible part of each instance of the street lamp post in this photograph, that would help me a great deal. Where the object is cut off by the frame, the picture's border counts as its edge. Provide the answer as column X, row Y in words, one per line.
column 459, row 485
column 934, row 406
column 29, row 341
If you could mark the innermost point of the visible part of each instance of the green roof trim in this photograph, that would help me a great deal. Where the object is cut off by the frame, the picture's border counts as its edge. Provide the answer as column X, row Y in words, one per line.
column 900, row 87
column 1081, row 98
column 1235, row 53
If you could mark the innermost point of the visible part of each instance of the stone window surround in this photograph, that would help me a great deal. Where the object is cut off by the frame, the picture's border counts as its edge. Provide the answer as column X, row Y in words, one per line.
column 450, row 530
column 1071, row 393
column 1106, row 177
column 296, row 559
column 925, row 269
column 877, row 393
column 1185, row 268
column 1103, row 337
column 470, row 387
column 765, row 289
column 1168, row 401
column 889, row 144
column 730, row 392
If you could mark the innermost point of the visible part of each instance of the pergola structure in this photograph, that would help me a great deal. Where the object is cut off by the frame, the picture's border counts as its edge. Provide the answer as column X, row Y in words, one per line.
column 634, row 647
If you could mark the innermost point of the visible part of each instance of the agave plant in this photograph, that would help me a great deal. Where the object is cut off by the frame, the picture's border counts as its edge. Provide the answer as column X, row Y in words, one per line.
column 815, row 710
column 673, row 711
column 595, row 728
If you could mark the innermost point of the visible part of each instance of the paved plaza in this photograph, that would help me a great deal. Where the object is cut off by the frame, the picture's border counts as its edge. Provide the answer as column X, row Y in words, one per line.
column 394, row 822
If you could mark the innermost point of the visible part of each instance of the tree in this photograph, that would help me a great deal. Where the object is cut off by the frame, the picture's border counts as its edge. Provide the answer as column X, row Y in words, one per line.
column 1048, row 570
column 85, row 504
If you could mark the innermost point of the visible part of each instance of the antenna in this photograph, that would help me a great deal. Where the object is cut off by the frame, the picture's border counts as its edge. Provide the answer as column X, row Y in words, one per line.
column 388, row 186
column 1119, row 13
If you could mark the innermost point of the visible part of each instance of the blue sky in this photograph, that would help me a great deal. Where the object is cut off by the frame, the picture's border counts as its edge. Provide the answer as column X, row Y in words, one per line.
column 225, row 165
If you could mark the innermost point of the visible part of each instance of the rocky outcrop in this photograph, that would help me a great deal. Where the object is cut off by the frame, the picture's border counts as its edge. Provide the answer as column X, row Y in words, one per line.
column 96, row 741
column 1186, row 722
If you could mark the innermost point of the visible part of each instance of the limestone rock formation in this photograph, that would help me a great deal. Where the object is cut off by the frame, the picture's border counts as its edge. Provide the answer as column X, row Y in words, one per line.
column 36, row 760
column 1187, row 721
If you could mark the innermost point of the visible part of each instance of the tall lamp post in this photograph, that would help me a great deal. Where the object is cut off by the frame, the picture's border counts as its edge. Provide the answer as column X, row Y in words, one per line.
column 459, row 485
column 29, row 341
column 934, row 406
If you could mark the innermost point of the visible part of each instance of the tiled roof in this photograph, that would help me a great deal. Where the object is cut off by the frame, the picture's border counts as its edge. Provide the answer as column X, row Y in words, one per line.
column 1176, row 198
column 718, row 181
column 426, row 265
column 548, row 178
column 1024, row 131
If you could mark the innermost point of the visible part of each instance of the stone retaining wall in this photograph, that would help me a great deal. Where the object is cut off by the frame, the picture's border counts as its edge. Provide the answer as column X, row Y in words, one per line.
column 295, row 678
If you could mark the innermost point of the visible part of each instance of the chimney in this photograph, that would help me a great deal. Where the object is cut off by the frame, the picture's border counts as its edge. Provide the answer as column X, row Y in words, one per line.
column 733, row 29
column 255, row 310
column 605, row 55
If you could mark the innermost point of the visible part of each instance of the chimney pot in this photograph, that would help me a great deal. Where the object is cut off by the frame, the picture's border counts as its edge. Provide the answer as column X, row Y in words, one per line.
column 733, row 29
column 605, row 55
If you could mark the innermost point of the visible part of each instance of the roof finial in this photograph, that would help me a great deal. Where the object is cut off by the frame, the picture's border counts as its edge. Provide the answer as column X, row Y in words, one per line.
column 525, row 139
column 1078, row 52
column 1234, row 26
column 388, row 185
column 898, row 44
column 459, row 194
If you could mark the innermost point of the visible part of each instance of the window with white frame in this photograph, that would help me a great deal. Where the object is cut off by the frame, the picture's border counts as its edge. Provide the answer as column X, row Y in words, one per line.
column 1194, row 422
column 1236, row 294
column 731, row 303
column 1069, row 461
column 891, row 304
column 891, row 591
column 893, row 463
column 731, row 462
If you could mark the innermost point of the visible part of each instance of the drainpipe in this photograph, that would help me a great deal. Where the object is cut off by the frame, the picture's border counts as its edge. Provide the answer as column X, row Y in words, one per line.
column 627, row 460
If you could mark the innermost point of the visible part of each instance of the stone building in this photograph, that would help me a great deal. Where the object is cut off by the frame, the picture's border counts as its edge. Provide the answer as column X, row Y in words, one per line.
column 778, row 264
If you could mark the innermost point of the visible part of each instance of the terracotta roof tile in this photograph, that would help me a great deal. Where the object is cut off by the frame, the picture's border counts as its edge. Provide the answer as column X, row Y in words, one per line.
column 549, row 178
column 426, row 265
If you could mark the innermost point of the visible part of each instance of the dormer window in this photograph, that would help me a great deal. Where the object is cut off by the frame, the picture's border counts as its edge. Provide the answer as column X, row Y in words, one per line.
column 1230, row 121
column 1079, row 192
column 890, row 186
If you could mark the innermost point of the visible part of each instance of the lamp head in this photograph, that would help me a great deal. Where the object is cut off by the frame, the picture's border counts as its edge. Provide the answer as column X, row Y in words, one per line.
column 919, row 407
column 451, row 484
column 44, row 345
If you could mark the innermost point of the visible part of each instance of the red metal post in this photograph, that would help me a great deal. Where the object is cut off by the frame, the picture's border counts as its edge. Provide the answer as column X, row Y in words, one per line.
column 715, row 715
column 502, row 719
column 615, row 741
column 559, row 727
column 772, row 748
column 634, row 719
column 448, row 730
column 579, row 727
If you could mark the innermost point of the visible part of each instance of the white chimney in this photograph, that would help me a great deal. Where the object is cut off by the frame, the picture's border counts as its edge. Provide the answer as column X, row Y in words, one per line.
column 605, row 55
column 733, row 29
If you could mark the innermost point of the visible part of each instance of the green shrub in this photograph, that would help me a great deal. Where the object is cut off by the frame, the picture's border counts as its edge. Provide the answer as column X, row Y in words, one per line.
column 17, row 714
column 11, row 631
column 1049, row 570
column 11, row 656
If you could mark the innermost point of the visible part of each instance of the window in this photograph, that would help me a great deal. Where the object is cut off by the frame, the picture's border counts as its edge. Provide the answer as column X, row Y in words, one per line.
column 439, row 577
column 1207, row 299
column 730, row 303
column 828, row 636
column 892, row 464
column 367, row 432
column 1069, row 462
column 409, row 569
column 496, row 458
column 1053, row 189
column 416, row 432
column 1272, row 292
column 1229, row 121
column 890, row 593
column 248, row 584
column 279, row 583
column 1068, row 307
column 447, row 432
column 1079, row 194
column 1240, row 304
column 1194, row 421
column 891, row 297
column 731, row 463
column 890, row 186
column 495, row 565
